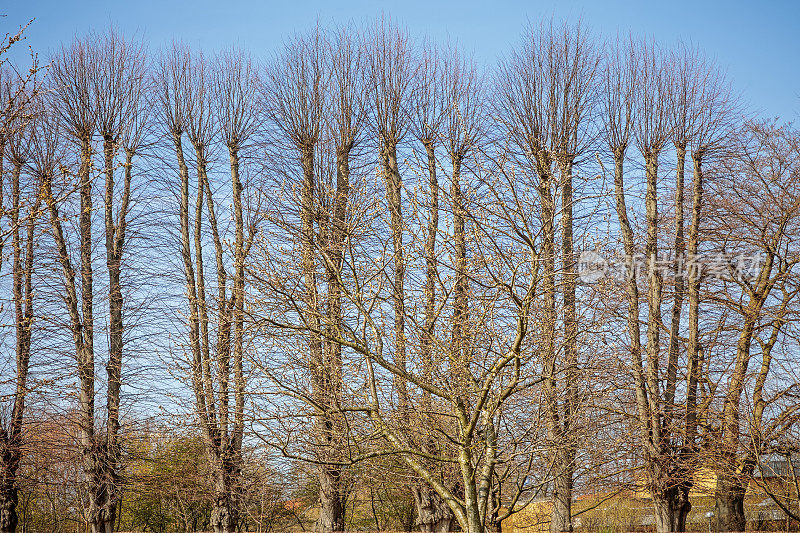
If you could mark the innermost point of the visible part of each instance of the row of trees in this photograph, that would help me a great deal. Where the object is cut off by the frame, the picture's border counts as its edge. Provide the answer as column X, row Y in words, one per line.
column 370, row 254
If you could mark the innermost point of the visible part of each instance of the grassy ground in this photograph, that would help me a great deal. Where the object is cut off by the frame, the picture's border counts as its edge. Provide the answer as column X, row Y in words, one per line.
column 625, row 513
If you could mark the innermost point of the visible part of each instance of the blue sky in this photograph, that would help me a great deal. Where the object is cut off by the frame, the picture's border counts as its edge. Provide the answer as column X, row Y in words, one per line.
column 757, row 43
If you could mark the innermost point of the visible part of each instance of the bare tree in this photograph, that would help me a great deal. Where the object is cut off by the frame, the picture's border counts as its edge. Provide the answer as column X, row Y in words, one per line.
column 651, row 98
column 426, row 331
column 206, row 104
column 391, row 73
column 119, row 85
column 97, row 85
column 635, row 110
column 462, row 134
column 310, row 75
column 428, row 113
column 701, row 109
column 545, row 99
column 403, row 397
column 235, row 91
column 758, row 227
column 19, row 223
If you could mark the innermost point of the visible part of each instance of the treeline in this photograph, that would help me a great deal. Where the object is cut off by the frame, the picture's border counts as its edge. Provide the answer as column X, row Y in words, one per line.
column 571, row 272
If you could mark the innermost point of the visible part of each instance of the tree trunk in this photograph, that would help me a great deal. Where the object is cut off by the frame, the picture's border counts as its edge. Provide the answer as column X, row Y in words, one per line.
column 332, row 509
column 8, row 492
column 102, row 525
column 221, row 515
column 664, row 515
column 433, row 514
column 22, row 269
column 459, row 344
column 654, row 298
column 331, row 496
column 552, row 390
column 394, row 201
column 693, row 348
column 670, row 497
column 101, row 519
column 729, row 505
column 115, row 240
column 684, row 506
column 224, row 516
column 677, row 306
column 494, row 520
column 561, row 517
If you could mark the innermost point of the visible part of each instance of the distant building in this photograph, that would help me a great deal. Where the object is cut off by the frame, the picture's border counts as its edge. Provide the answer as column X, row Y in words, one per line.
column 774, row 465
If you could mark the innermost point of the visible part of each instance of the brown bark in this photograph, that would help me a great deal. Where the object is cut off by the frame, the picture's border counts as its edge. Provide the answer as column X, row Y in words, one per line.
column 732, row 477
column 11, row 436
column 693, row 348
column 300, row 92
column 433, row 515
column 631, row 289
column 679, row 291
column 459, row 345
column 431, row 273
column 694, row 364
column 93, row 449
column 331, row 491
column 729, row 503
column 393, row 183
column 115, row 242
column 564, row 464
column 194, row 97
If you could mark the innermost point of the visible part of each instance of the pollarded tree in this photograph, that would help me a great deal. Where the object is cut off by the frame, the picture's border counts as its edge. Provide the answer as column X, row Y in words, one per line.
column 310, row 74
column 754, row 213
column 460, row 391
column 651, row 98
column 20, row 210
column 428, row 112
column 391, row 73
column 544, row 103
column 97, row 85
column 635, row 110
column 213, row 105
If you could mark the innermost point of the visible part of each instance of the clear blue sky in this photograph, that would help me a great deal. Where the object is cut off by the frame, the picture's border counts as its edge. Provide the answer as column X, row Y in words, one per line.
column 758, row 43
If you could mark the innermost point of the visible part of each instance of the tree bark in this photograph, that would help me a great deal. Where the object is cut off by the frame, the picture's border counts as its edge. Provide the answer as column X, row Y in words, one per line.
column 22, row 270
column 330, row 494
column 459, row 344
column 729, row 505
column 115, row 241
column 670, row 512
column 224, row 511
column 333, row 497
column 433, row 514
column 332, row 500
column 564, row 465
column 93, row 448
column 9, row 494
column 10, row 452
column 677, row 305
column 731, row 484
column 394, row 199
